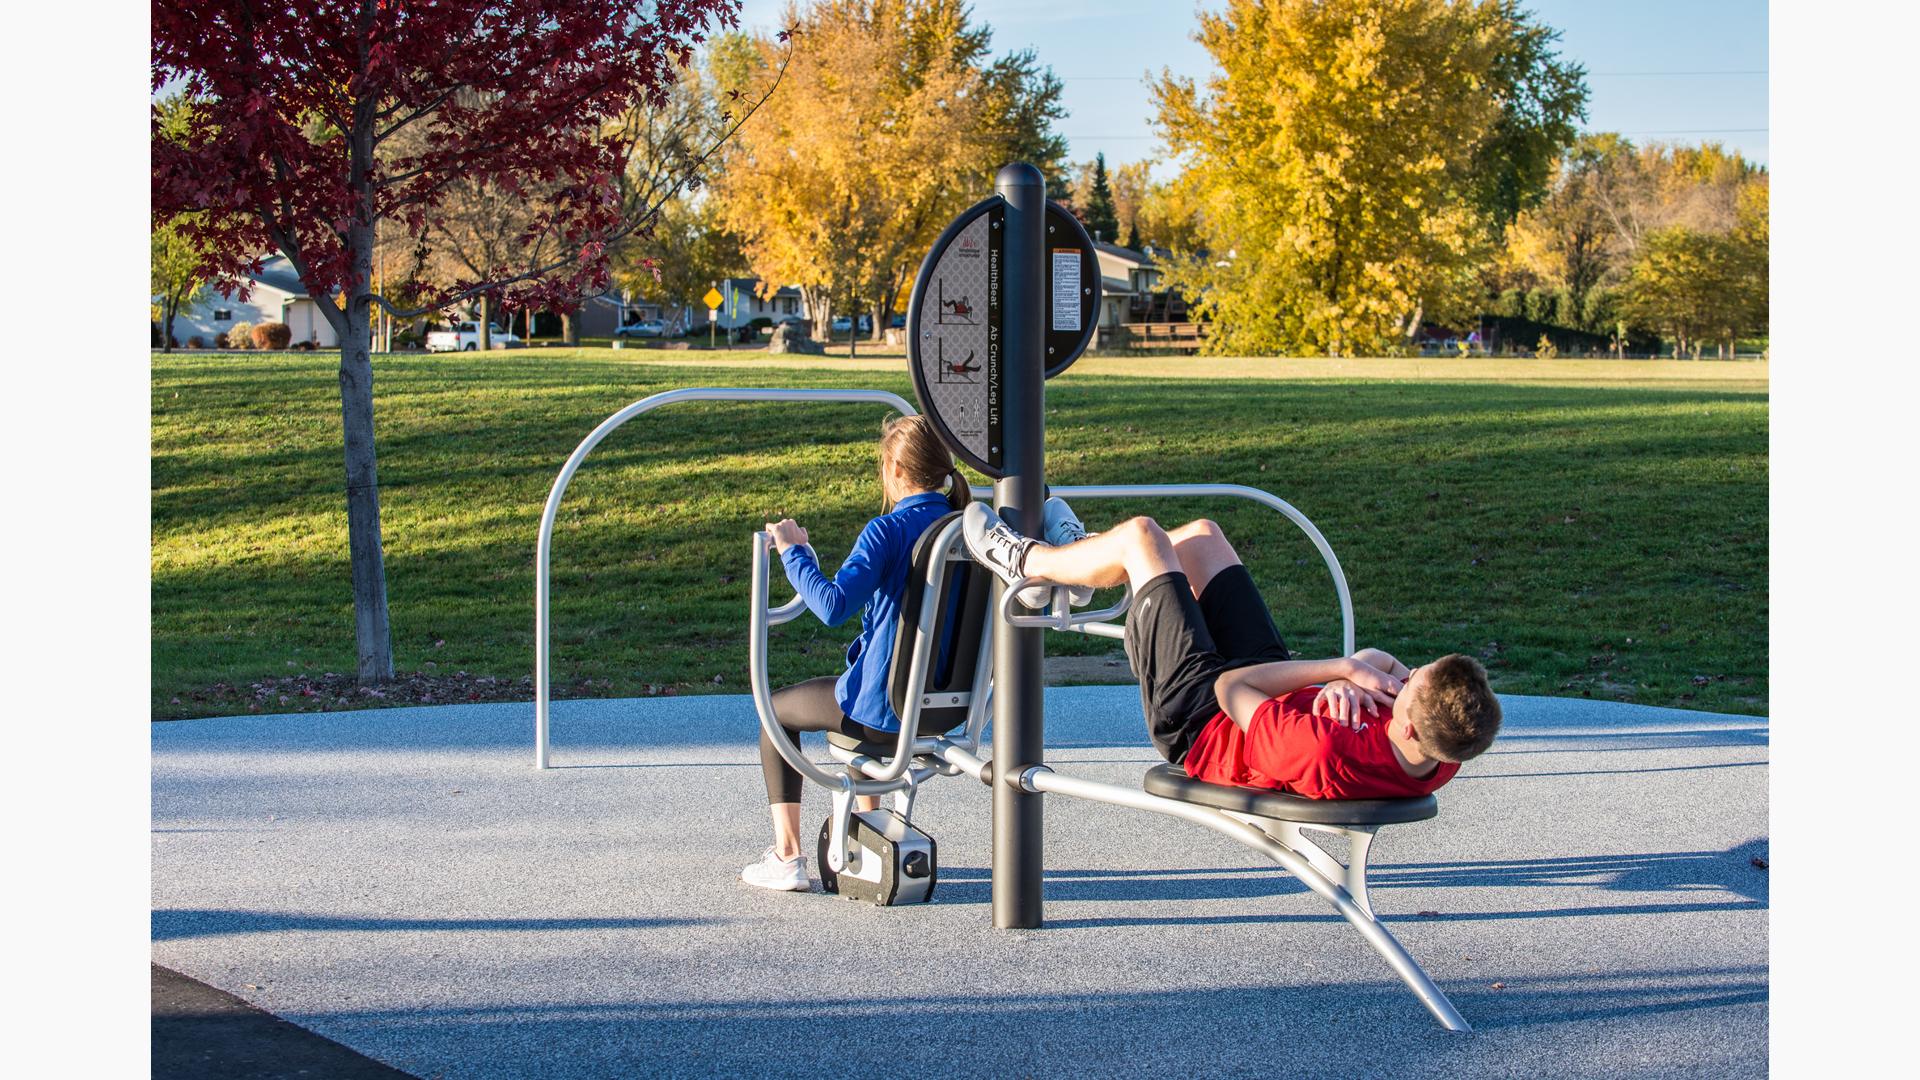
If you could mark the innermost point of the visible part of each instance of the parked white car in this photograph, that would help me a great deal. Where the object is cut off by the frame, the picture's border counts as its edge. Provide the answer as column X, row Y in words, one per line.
column 465, row 337
column 643, row 328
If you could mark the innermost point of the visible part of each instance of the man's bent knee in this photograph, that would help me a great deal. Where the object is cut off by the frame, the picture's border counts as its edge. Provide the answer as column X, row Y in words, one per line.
column 1197, row 529
column 1141, row 530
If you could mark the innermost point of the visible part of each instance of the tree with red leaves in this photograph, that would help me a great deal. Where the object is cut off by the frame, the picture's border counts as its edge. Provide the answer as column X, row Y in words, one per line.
column 308, row 124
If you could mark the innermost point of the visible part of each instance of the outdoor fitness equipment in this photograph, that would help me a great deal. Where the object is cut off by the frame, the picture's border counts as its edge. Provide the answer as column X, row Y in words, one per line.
column 964, row 638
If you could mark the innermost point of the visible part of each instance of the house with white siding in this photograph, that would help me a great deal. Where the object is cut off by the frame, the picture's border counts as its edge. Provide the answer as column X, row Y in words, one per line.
column 273, row 295
column 741, row 303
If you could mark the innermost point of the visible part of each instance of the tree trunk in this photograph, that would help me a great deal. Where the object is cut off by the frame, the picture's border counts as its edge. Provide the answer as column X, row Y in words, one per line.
column 372, row 636
column 484, row 328
column 569, row 330
column 167, row 311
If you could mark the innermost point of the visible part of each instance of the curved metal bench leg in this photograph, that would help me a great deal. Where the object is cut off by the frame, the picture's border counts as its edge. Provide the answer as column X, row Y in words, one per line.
column 1296, row 862
column 1353, row 874
column 1356, row 876
column 1346, row 888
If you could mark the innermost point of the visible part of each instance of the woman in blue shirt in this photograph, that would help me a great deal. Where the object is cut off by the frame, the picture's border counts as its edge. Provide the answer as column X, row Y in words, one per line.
column 914, row 466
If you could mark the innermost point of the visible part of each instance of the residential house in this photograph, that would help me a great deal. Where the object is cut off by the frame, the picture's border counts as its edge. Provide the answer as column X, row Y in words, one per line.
column 1130, row 287
column 273, row 295
column 741, row 304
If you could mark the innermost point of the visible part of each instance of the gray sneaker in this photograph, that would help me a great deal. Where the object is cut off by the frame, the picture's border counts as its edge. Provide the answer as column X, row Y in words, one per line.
column 1063, row 528
column 995, row 545
column 781, row 875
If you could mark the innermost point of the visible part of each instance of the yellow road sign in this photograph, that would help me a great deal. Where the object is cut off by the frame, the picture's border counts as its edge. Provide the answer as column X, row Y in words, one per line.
column 713, row 298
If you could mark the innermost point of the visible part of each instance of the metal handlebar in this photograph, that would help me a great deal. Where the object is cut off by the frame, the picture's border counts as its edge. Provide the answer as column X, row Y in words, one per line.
column 1060, row 617
column 760, row 616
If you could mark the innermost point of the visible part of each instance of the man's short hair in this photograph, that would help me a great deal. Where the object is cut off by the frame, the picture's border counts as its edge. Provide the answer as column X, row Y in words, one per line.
column 1458, row 714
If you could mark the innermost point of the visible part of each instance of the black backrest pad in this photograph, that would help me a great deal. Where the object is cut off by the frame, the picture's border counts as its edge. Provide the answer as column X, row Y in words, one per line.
column 962, row 612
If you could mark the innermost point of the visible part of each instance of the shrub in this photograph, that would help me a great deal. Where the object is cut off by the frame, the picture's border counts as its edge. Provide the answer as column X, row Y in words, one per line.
column 272, row 335
column 240, row 336
column 220, row 340
column 196, row 342
column 1546, row 349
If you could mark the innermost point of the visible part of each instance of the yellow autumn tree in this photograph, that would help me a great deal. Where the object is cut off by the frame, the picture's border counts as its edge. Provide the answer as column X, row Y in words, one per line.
column 891, row 118
column 1339, row 163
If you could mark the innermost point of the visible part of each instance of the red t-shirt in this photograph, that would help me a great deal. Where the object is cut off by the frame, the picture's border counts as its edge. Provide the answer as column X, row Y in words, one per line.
column 1288, row 748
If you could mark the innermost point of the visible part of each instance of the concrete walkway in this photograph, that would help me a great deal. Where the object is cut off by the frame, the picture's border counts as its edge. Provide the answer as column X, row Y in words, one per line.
column 405, row 883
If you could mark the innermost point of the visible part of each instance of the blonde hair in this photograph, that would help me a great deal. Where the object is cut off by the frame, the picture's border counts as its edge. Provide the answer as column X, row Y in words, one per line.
column 1458, row 713
column 911, row 442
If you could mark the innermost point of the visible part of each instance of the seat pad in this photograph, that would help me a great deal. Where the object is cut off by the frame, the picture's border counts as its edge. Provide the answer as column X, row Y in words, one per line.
column 1172, row 782
column 874, row 749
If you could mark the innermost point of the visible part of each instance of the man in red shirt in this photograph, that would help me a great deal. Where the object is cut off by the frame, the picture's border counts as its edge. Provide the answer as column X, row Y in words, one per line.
column 1220, row 692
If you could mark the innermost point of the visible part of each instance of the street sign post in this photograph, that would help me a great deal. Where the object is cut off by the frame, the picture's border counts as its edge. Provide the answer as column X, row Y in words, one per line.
column 1007, row 298
column 713, row 301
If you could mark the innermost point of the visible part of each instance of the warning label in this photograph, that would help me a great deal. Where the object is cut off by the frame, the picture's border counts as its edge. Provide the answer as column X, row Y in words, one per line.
column 1066, row 289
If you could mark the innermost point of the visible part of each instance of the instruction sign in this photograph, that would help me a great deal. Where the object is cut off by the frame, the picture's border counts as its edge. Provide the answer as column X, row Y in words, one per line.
column 713, row 299
column 1066, row 289
column 1073, row 288
column 955, row 316
column 954, row 327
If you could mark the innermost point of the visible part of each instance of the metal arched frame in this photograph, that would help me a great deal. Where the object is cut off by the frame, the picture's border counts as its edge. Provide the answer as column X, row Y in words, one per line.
column 542, row 604
column 543, row 557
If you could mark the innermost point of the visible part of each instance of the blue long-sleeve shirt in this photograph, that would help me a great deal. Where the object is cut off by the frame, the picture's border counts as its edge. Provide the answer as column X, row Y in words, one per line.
column 871, row 580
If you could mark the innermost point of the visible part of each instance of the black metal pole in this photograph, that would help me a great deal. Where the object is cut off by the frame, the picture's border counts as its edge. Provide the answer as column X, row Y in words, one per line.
column 1018, row 655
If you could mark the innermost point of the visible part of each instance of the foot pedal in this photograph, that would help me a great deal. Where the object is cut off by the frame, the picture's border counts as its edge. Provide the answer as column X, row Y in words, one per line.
column 889, row 861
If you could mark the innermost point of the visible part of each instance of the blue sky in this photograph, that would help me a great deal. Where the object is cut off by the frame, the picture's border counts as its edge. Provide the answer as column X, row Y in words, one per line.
column 1645, row 60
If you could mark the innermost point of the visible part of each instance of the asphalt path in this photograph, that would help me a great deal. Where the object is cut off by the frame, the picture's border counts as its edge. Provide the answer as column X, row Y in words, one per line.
column 1593, row 897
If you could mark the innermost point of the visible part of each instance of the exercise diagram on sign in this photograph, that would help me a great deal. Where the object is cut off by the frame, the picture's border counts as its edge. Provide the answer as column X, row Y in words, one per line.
column 958, row 311
column 956, row 342
column 966, row 371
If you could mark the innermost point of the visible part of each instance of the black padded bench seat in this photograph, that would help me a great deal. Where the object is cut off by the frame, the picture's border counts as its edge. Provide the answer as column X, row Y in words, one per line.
column 874, row 749
column 1172, row 782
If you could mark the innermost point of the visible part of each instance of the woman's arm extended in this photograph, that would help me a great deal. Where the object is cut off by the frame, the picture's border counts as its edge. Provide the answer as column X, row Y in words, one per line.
column 1242, row 690
column 851, row 586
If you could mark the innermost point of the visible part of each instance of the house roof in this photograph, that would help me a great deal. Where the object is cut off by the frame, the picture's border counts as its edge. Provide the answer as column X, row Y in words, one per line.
column 277, row 273
column 1118, row 252
column 751, row 282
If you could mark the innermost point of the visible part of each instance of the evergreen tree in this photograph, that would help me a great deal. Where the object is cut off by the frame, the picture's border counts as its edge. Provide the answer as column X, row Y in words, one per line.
column 1098, row 215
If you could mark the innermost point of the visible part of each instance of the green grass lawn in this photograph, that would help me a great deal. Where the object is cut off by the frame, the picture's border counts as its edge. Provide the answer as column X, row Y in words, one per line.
column 1585, row 527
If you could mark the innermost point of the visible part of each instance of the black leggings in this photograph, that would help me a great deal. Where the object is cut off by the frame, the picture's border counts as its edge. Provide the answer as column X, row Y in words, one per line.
column 807, row 706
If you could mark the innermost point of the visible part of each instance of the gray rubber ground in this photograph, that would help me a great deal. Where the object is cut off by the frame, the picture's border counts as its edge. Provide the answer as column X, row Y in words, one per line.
column 406, row 883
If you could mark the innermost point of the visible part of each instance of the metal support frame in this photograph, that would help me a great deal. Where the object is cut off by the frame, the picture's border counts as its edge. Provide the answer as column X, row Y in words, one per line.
column 1333, row 888
column 543, row 553
column 1019, row 653
column 917, row 759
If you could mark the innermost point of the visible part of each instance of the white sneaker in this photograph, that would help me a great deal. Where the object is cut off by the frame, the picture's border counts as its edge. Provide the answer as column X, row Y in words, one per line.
column 995, row 545
column 1063, row 528
column 773, row 872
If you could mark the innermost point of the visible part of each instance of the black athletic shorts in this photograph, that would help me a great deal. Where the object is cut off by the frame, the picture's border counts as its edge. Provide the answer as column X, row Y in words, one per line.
column 1178, row 646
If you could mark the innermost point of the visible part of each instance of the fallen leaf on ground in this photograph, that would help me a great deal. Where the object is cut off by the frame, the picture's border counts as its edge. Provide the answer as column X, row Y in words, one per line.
column 1500, row 986
column 1759, row 862
column 1428, row 914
